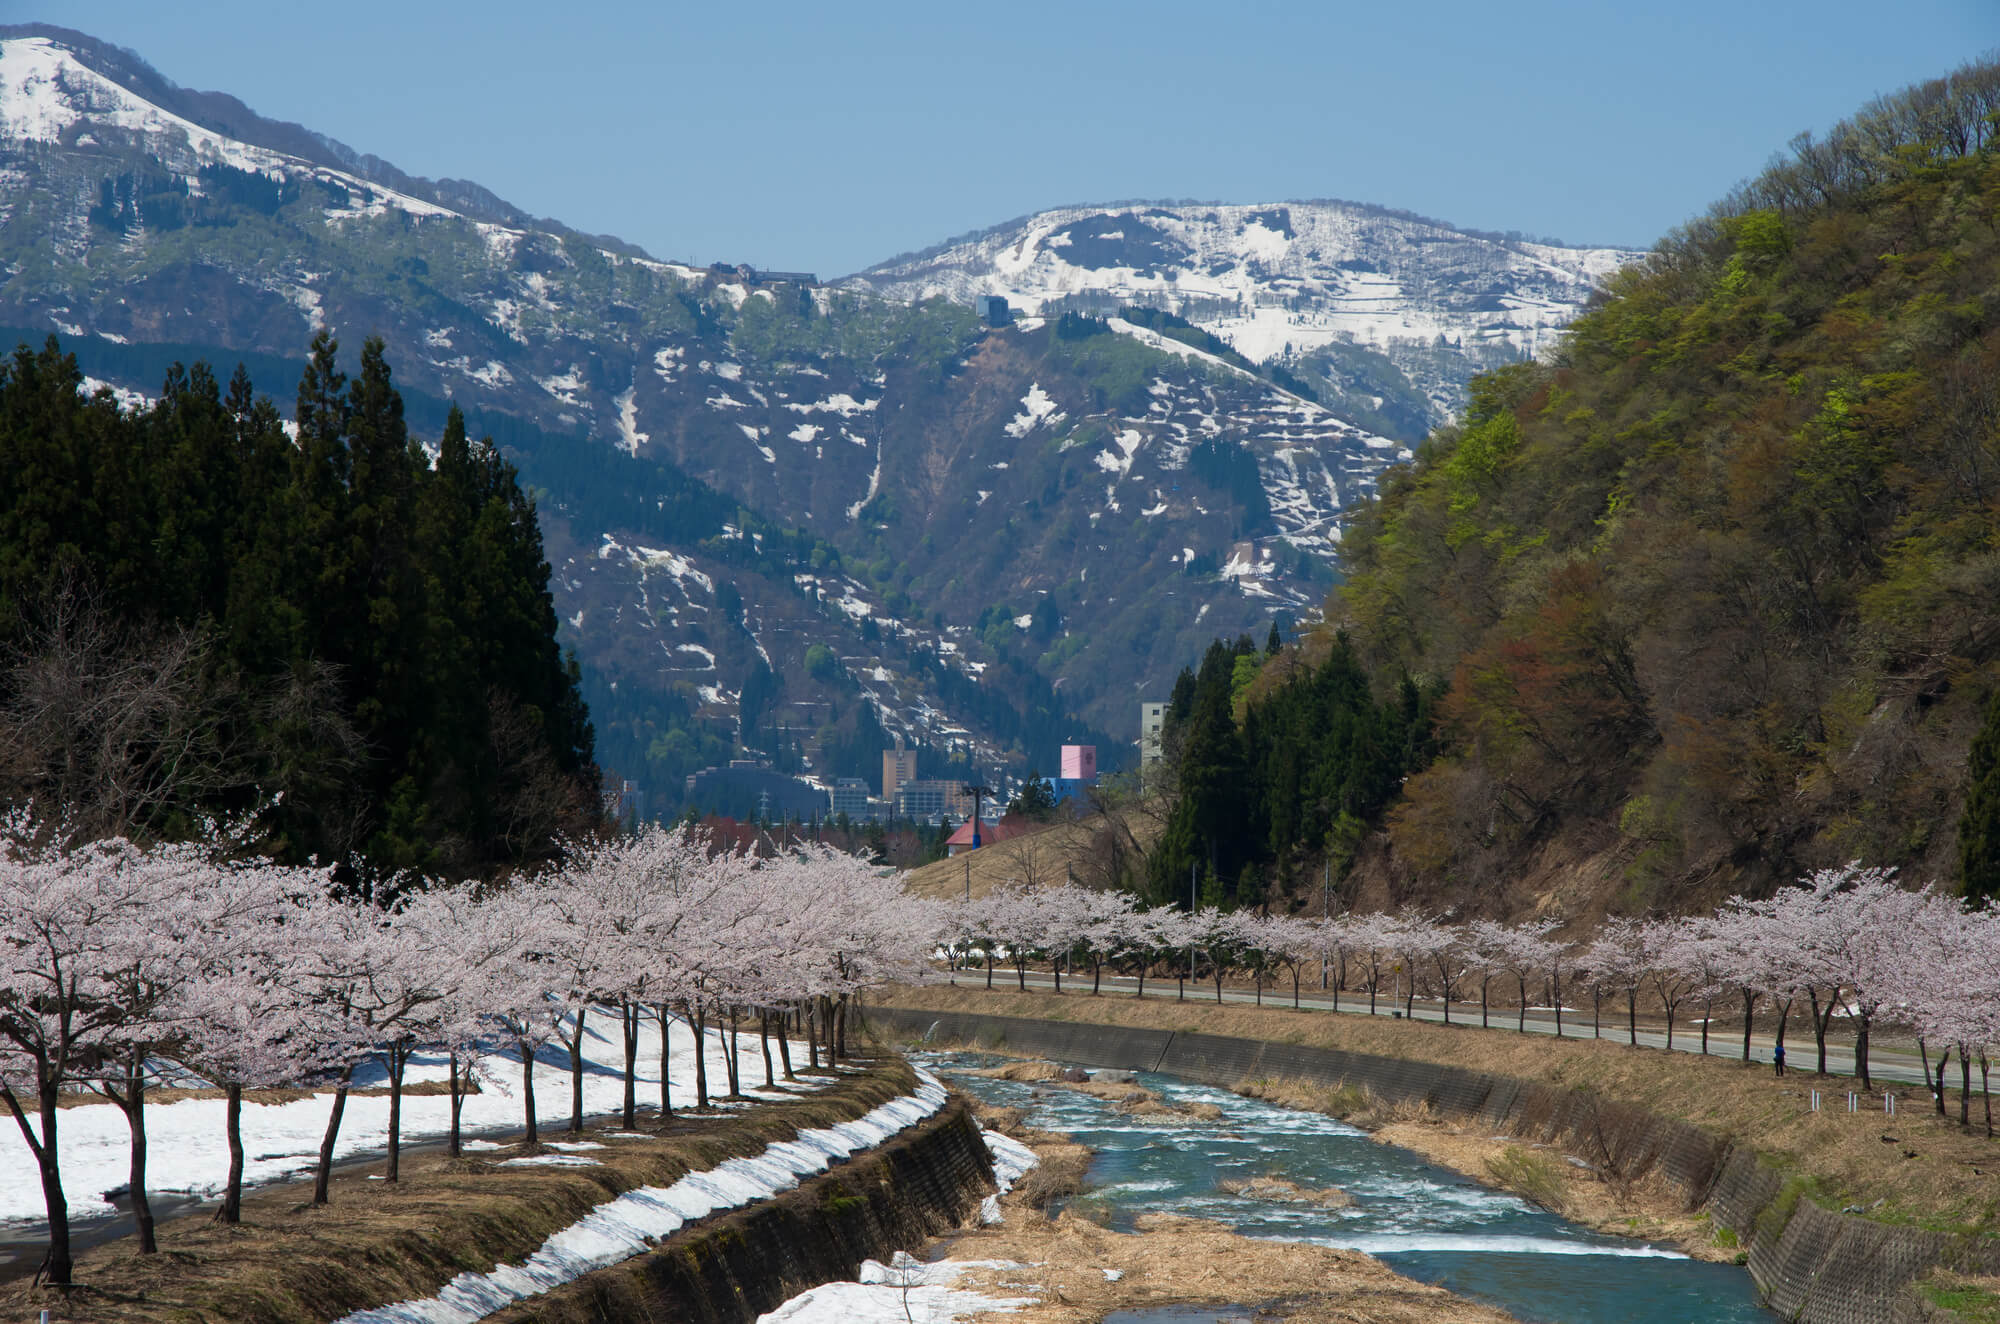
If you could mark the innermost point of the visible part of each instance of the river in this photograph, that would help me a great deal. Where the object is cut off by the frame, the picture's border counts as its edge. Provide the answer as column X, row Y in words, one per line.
column 1425, row 1221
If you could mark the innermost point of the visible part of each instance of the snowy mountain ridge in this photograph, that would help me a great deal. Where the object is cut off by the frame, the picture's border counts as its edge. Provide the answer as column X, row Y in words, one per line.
column 1280, row 281
column 784, row 518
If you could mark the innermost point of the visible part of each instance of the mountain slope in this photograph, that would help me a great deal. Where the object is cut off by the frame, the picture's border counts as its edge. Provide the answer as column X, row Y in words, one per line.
column 1713, row 597
column 771, row 505
column 1357, row 298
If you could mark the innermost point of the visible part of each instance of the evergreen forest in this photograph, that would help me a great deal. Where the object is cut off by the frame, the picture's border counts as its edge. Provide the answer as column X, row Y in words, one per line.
column 332, row 625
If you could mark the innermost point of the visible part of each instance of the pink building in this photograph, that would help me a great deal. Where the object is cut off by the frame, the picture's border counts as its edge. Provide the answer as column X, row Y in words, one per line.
column 1079, row 763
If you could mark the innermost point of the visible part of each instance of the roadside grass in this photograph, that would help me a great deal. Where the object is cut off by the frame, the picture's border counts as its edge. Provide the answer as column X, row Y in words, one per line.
column 290, row 1262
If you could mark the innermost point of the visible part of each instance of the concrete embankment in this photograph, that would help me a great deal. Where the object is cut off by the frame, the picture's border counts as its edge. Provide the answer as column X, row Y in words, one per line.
column 731, row 1269
column 1812, row 1263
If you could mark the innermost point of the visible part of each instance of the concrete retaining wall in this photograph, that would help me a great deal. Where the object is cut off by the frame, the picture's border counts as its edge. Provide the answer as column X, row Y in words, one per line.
column 1812, row 1264
column 733, row 1268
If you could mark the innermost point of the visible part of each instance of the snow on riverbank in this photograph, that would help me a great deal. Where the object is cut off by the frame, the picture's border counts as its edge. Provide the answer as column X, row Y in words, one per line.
column 187, row 1152
column 619, row 1229
column 904, row 1291
column 908, row 1291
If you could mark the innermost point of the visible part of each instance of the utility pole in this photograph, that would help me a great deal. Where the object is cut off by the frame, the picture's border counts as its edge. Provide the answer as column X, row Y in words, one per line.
column 1325, row 916
column 978, row 791
column 1191, row 903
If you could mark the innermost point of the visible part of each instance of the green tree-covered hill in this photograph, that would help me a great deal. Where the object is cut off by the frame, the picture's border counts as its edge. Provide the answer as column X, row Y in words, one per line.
column 1713, row 595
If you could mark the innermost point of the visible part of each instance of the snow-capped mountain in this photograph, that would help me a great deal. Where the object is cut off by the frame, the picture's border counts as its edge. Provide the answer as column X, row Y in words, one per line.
column 1286, row 282
column 773, row 506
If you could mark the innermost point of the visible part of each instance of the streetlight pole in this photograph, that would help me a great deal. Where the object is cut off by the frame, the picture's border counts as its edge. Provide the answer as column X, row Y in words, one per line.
column 1190, row 960
column 1326, row 916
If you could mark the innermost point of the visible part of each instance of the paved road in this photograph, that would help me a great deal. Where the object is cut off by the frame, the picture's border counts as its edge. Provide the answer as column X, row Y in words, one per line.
column 1885, row 1063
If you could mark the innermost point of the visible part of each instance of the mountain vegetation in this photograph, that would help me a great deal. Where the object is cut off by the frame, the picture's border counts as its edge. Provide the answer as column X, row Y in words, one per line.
column 1713, row 595
column 1706, row 601
column 353, row 639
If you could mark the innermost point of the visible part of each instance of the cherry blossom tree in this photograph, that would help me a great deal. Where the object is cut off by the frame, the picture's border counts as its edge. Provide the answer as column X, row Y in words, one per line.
column 65, row 915
column 1618, row 959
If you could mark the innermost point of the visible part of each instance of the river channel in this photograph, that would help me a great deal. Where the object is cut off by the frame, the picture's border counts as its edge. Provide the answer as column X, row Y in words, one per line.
column 1425, row 1221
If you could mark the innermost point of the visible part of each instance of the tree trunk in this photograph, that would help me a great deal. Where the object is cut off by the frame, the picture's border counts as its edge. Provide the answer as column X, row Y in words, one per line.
column 1096, row 973
column 764, row 1043
column 232, row 1123
column 1556, row 999
column 532, row 1134
column 1597, row 1011
column 134, row 1104
column 1632, row 1016
column 701, row 1057
column 628, row 1017
column 1749, row 1010
column 666, row 1084
column 1707, row 1015
column 1986, row 1093
column 1055, row 969
column 840, row 1027
column 1937, row 1095
column 576, row 1074
column 531, row 1122
column 1821, row 1022
column 59, row 1265
column 785, row 1046
column 1295, row 988
column 1142, row 981
column 323, row 1176
column 810, row 1015
column 1861, row 1053
column 399, row 1056
column 1964, row 1088
column 1521, row 1017
column 731, row 1063
column 1484, row 1024
column 453, row 1148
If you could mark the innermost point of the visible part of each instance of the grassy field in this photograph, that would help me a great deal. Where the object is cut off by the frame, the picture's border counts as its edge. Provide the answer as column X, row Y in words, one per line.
column 1051, row 855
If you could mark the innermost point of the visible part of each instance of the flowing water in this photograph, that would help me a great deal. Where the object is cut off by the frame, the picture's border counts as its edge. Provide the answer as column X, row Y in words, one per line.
column 1427, row 1222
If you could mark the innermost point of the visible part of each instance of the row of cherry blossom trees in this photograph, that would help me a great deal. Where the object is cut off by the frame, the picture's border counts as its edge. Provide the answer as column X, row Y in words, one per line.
column 195, row 964
column 1847, row 943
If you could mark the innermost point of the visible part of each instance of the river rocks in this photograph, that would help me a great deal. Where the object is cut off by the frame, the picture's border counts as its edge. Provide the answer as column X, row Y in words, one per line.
column 1278, row 1190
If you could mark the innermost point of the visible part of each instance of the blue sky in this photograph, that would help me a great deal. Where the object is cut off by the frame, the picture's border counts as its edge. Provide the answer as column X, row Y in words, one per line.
column 831, row 136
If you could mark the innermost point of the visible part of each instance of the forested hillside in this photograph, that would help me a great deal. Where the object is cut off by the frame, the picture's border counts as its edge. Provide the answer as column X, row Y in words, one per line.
column 202, row 614
column 1712, row 596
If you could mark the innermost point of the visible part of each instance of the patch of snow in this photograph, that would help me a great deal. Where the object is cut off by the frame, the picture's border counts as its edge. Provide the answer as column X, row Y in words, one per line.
column 629, row 435
column 838, row 403
column 632, row 1223
column 1038, row 407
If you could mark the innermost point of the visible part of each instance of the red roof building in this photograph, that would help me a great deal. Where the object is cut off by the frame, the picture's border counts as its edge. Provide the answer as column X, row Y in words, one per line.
column 961, row 840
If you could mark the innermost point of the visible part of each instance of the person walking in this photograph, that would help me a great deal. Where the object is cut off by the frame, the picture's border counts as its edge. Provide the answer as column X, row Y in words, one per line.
column 1778, row 1059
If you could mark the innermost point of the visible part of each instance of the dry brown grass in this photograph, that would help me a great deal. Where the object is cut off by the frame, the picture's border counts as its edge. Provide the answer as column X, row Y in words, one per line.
column 291, row 1263
column 1042, row 857
column 1170, row 1259
column 1028, row 1071
column 1929, row 1173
